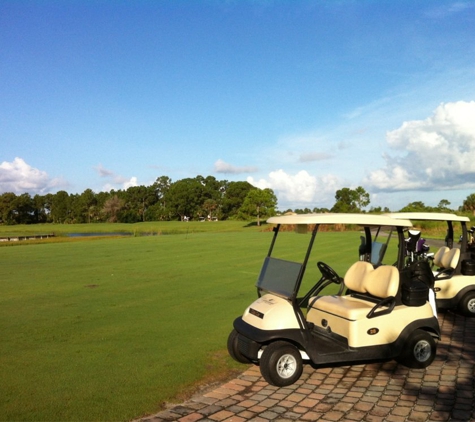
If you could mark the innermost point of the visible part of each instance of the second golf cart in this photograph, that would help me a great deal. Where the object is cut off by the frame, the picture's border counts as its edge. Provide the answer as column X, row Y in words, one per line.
column 376, row 312
column 453, row 266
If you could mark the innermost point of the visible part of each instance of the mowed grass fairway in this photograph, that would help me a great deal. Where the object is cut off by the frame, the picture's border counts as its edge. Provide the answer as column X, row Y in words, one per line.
column 110, row 329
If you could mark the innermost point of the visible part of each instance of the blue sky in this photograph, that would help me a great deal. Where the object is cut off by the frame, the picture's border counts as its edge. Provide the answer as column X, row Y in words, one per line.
column 304, row 97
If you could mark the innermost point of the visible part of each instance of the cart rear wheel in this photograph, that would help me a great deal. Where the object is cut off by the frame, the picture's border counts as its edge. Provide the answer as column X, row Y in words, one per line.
column 233, row 348
column 467, row 305
column 281, row 364
column 419, row 351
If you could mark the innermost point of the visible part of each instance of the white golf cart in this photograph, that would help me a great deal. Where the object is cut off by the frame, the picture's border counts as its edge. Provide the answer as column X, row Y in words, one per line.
column 377, row 313
column 453, row 267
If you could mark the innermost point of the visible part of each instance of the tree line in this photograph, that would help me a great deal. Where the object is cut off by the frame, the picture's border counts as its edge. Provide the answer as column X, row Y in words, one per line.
column 191, row 198
column 199, row 198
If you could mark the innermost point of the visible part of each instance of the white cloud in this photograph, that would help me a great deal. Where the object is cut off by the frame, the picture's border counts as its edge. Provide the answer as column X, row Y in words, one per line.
column 221, row 166
column 307, row 157
column 115, row 179
column 299, row 190
column 446, row 9
column 104, row 172
column 437, row 153
column 19, row 177
column 130, row 183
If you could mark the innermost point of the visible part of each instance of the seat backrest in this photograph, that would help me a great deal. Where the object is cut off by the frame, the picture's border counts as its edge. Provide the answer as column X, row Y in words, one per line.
column 382, row 282
column 354, row 277
column 451, row 259
column 439, row 255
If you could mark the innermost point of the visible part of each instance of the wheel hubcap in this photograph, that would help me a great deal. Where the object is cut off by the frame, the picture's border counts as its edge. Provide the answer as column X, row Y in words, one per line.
column 471, row 306
column 286, row 366
column 422, row 350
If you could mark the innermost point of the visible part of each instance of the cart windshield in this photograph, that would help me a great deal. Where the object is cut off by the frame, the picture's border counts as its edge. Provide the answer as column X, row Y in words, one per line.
column 294, row 261
column 279, row 276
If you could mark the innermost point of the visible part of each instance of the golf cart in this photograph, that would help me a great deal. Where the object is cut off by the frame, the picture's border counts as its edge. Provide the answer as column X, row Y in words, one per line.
column 375, row 312
column 453, row 267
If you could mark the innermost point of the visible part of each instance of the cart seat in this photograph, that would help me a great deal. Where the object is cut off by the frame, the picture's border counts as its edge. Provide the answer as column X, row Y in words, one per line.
column 368, row 286
column 451, row 258
column 448, row 263
column 356, row 274
column 439, row 255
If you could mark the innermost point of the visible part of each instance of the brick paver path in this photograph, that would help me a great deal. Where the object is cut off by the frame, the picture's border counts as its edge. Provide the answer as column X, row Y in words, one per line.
column 445, row 391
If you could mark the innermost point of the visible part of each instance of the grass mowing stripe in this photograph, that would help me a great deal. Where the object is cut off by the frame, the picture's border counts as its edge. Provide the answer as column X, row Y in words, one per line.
column 110, row 329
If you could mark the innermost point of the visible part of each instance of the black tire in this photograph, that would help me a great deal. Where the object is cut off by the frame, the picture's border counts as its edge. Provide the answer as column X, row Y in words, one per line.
column 467, row 305
column 233, row 348
column 419, row 351
column 281, row 364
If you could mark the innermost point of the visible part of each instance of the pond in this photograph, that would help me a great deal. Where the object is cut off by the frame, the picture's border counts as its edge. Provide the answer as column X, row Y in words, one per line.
column 100, row 234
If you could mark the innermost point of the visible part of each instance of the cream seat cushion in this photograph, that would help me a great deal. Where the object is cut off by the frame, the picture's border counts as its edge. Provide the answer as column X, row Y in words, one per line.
column 439, row 255
column 381, row 282
column 451, row 258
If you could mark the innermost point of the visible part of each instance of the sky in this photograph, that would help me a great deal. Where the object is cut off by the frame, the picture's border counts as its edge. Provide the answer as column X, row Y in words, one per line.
column 303, row 97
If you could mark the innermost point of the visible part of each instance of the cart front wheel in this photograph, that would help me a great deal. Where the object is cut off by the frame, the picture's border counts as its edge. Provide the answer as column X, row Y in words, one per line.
column 281, row 364
column 419, row 351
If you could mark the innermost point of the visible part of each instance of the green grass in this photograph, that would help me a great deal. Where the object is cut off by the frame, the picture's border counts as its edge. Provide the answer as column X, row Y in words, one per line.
column 111, row 329
column 108, row 330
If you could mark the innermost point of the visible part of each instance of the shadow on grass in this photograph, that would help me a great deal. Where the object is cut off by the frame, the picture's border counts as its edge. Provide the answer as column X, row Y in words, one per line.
column 263, row 224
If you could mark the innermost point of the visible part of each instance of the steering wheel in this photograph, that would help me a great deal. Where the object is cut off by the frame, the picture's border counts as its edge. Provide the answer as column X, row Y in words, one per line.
column 328, row 272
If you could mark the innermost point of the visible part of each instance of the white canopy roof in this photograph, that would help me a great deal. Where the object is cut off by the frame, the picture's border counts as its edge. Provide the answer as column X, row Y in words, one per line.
column 431, row 216
column 341, row 218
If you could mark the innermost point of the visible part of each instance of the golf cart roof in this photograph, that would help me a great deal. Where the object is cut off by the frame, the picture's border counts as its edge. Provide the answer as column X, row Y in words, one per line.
column 341, row 218
column 432, row 216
